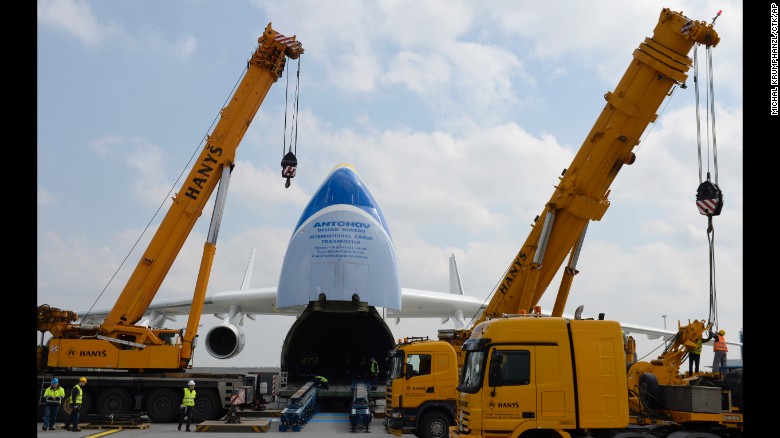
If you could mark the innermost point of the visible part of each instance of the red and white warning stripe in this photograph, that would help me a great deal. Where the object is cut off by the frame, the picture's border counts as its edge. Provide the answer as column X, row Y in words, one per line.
column 288, row 41
column 707, row 206
column 238, row 397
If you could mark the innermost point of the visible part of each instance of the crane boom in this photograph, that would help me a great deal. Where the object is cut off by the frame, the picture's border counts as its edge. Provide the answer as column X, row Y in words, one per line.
column 264, row 68
column 581, row 196
column 525, row 374
column 121, row 342
column 659, row 64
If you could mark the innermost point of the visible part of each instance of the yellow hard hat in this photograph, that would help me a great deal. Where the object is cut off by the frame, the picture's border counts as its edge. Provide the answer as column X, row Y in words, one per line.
column 83, row 379
column 722, row 332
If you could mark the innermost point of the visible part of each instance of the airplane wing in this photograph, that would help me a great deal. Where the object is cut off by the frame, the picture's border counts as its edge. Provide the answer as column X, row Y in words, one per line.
column 650, row 332
column 416, row 303
column 340, row 259
column 341, row 251
column 656, row 333
column 244, row 301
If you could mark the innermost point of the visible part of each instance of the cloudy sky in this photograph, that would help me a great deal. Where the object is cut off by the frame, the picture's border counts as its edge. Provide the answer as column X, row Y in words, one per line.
column 459, row 118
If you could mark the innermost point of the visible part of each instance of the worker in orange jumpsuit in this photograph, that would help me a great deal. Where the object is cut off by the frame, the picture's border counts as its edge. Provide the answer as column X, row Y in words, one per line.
column 720, row 350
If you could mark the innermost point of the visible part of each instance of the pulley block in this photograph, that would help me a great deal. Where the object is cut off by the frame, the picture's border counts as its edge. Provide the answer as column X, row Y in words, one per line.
column 709, row 199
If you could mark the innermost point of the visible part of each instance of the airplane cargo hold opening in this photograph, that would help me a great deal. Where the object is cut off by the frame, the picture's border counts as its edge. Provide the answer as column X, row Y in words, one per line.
column 336, row 342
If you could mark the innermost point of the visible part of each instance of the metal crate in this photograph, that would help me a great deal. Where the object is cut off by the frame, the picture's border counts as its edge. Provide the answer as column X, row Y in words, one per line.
column 706, row 399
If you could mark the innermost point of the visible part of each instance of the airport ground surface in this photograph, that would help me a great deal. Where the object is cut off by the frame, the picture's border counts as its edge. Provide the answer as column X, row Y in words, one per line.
column 330, row 421
column 321, row 425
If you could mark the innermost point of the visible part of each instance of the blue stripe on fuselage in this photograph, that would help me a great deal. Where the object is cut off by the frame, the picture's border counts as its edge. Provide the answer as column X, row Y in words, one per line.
column 343, row 186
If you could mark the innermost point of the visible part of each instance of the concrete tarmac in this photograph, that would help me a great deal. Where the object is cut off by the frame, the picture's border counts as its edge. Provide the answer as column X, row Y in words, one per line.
column 321, row 425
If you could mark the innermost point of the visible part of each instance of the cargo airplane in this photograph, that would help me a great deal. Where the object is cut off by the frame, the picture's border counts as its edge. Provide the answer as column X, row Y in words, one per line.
column 339, row 267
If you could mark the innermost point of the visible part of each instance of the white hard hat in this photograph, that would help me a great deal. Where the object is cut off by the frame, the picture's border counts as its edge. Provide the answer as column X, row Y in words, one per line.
column 191, row 383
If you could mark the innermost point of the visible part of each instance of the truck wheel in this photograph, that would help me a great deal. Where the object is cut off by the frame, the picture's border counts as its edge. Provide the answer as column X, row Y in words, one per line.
column 162, row 405
column 207, row 406
column 434, row 425
column 649, row 391
column 114, row 401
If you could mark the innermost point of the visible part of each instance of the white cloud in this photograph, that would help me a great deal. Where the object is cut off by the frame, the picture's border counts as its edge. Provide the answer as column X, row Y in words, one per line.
column 152, row 37
column 45, row 197
column 459, row 118
column 77, row 18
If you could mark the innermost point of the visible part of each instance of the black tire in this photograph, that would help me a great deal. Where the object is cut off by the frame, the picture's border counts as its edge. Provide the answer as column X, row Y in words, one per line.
column 114, row 401
column 207, row 406
column 650, row 391
column 434, row 425
column 162, row 405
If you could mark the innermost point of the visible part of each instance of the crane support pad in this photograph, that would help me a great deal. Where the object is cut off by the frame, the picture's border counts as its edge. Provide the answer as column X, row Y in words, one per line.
column 244, row 426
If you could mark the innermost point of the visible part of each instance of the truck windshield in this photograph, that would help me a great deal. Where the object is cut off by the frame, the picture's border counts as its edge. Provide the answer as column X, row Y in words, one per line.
column 396, row 367
column 473, row 370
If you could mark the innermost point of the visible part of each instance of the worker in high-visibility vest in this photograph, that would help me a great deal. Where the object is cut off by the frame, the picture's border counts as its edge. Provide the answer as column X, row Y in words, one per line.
column 322, row 382
column 53, row 395
column 693, row 358
column 720, row 350
column 76, row 395
column 374, row 372
column 187, row 404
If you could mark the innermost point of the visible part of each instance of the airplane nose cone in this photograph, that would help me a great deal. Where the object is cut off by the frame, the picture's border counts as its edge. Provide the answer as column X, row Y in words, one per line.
column 343, row 186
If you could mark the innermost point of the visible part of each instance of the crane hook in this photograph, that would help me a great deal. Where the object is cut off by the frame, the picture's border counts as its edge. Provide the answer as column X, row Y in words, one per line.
column 289, row 165
column 709, row 198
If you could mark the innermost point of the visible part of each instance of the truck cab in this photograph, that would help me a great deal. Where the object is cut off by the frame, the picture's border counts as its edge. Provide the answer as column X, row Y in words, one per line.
column 420, row 394
column 529, row 373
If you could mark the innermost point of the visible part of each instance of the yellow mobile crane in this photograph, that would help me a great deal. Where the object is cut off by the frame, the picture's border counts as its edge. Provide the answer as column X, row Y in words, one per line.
column 660, row 63
column 533, row 376
column 119, row 342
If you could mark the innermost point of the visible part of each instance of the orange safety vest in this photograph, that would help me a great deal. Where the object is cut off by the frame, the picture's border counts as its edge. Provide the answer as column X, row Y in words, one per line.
column 720, row 344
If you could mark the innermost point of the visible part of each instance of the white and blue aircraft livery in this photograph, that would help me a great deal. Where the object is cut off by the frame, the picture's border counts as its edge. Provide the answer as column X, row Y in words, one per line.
column 341, row 248
column 340, row 266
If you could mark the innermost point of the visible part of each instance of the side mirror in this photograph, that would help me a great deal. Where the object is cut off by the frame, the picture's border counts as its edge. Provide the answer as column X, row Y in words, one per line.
column 495, row 375
column 408, row 370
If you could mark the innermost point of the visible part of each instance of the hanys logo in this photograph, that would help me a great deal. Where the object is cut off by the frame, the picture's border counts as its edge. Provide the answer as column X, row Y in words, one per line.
column 491, row 404
column 71, row 352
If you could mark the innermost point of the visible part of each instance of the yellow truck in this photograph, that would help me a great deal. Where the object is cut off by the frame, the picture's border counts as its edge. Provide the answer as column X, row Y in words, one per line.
column 420, row 392
column 524, row 375
column 529, row 376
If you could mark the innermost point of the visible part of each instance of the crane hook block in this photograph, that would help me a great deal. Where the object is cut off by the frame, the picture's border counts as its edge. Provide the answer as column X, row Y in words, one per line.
column 289, row 166
column 709, row 199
